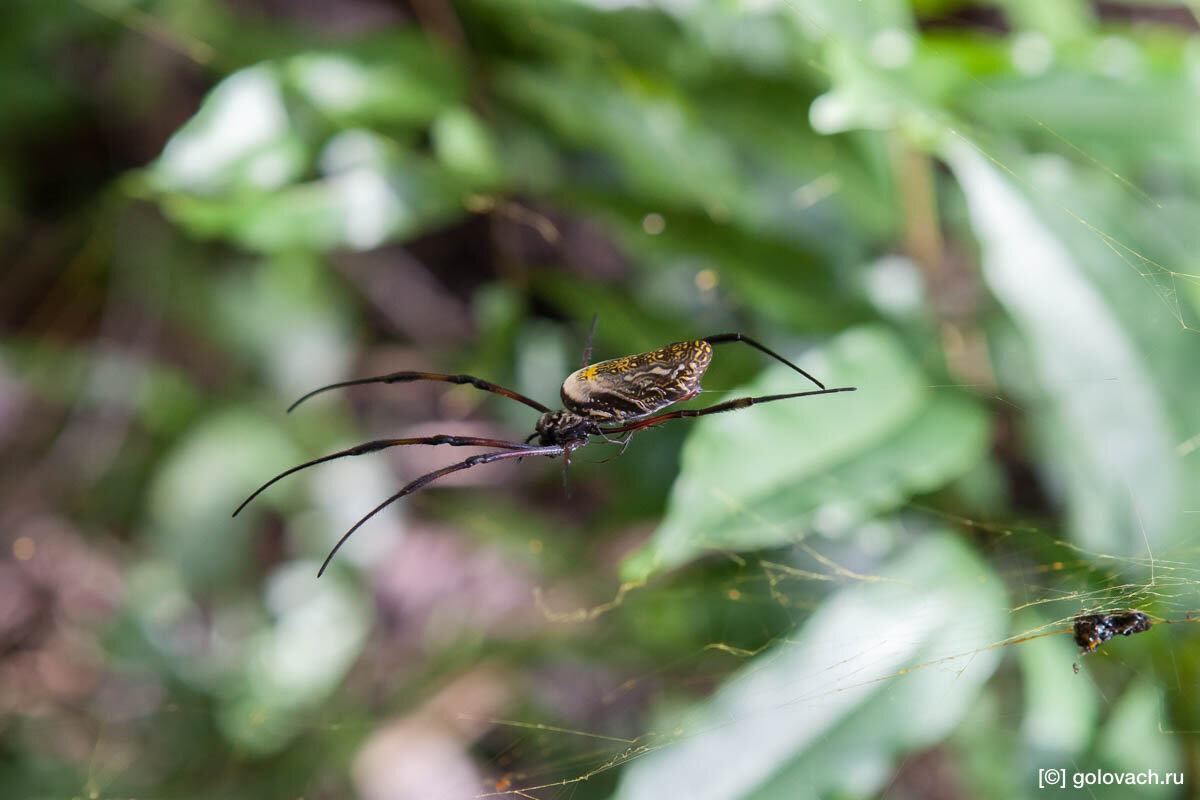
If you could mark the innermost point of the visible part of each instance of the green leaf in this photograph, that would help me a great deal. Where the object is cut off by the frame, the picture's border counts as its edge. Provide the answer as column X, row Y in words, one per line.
column 1107, row 436
column 765, row 477
column 240, row 139
column 358, row 208
column 199, row 484
column 1132, row 739
column 1060, row 708
column 859, row 22
column 464, row 146
column 826, row 712
column 397, row 81
column 660, row 148
column 298, row 661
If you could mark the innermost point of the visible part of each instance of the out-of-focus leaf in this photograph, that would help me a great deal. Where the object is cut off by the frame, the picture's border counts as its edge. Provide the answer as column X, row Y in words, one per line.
column 815, row 717
column 1060, row 708
column 656, row 143
column 199, row 485
column 288, row 314
column 464, row 146
column 1062, row 20
column 1079, row 109
column 402, row 80
column 1132, row 738
column 360, row 209
column 767, row 476
column 1106, row 430
column 781, row 281
column 317, row 633
column 234, row 169
column 240, row 139
column 627, row 327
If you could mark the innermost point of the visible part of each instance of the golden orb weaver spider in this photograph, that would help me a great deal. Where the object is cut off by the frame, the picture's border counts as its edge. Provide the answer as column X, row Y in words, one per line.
column 620, row 396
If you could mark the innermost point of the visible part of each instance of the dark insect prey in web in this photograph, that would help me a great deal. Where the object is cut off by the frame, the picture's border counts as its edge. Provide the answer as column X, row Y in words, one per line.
column 1093, row 630
column 621, row 396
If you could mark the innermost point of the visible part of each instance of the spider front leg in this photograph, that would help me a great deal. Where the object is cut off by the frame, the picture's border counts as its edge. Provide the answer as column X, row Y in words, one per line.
column 722, row 338
column 410, row 377
column 383, row 444
column 623, row 442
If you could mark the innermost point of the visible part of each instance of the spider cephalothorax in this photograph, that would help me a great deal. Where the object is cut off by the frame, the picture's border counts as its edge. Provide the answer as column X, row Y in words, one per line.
column 564, row 427
column 620, row 396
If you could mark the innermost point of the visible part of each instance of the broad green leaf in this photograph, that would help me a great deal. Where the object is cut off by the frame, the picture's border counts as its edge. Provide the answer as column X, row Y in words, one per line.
column 1107, row 436
column 827, row 712
column 767, row 476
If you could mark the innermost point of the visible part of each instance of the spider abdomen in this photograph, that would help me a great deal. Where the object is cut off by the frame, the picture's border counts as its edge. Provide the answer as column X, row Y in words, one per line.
column 635, row 386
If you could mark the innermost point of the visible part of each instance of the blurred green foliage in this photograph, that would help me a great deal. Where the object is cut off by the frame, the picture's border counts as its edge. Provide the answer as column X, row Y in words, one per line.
column 981, row 216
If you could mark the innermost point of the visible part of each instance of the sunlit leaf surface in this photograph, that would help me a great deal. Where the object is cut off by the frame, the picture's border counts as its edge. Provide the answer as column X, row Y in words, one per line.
column 825, row 712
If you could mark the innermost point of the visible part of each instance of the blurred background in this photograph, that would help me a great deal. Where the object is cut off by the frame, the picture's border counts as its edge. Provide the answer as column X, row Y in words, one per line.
column 984, row 216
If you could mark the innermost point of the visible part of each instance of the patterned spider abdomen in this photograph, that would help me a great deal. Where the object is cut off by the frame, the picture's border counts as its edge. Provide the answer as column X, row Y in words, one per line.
column 636, row 386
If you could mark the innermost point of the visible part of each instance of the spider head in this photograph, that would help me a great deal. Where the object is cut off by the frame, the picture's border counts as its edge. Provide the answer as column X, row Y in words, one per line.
column 561, row 427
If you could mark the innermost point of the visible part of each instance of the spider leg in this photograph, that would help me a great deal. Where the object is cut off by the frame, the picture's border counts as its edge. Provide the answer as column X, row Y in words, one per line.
column 409, row 377
column 383, row 444
column 424, row 480
column 587, row 348
column 728, row 405
column 722, row 338
column 623, row 442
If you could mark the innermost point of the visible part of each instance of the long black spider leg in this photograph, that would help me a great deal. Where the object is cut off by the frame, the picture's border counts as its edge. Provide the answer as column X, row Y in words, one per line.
column 424, row 480
column 728, row 405
column 382, row 444
column 722, row 338
column 408, row 377
column 587, row 348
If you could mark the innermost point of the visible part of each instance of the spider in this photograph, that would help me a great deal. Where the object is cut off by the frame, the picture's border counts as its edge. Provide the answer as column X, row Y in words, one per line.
column 620, row 396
